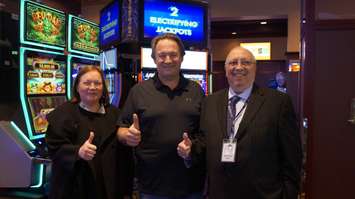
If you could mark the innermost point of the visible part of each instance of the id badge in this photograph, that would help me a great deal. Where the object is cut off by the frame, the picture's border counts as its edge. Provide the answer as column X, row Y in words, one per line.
column 229, row 149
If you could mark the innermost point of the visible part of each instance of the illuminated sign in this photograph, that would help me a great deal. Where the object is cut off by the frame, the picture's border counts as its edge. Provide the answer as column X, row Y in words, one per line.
column 184, row 19
column 294, row 66
column 83, row 36
column 42, row 25
column 260, row 50
column 110, row 24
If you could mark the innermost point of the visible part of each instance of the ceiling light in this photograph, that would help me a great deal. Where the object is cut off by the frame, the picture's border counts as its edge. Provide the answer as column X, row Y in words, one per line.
column 234, row 33
column 263, row 22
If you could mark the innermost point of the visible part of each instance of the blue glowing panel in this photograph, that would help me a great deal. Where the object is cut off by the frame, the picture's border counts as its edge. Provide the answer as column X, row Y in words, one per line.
column 110, row 24
column 198, row 78
column 78, row 64
column 183, row 19
column 108, row 63
column 108, row 59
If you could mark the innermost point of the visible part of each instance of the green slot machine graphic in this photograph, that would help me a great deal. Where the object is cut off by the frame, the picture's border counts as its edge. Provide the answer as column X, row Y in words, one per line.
column 83, row 36
column 42, row 26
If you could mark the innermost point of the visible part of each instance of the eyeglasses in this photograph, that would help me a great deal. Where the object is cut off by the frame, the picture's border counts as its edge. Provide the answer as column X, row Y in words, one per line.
column 172, row 55
column 89, row 83
column 242, row 62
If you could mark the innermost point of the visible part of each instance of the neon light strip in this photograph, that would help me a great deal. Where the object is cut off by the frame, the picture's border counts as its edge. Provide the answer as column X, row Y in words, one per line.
column 23, row 95
column 69, row 76
column 40, row 180
column 69, row 58
column 33, row 147
column 70, row 36
column 210, row 84
column 22, row 26
column 22, row 135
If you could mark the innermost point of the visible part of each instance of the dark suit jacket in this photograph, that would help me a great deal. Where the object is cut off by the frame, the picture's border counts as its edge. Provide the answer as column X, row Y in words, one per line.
column 268, row 152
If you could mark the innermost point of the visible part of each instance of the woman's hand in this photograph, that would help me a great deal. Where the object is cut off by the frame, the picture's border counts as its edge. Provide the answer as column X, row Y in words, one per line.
column 87, row 151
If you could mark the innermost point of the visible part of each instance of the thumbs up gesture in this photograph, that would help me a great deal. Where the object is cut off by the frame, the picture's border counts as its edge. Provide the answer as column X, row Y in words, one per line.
column 87, row 151
column 132, row 135
column 184, row 147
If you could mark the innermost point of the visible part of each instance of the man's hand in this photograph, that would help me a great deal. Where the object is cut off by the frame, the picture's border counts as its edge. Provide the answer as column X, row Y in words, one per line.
column 87, row 151
column 184, row 147
column 132, row 135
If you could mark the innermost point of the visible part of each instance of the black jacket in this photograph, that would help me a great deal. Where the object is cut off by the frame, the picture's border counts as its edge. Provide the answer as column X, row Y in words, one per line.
column 108, row 175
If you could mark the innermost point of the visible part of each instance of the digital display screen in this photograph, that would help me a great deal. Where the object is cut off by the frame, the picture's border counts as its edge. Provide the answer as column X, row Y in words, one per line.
column 187, row 20
column 40, row 107
column 44, row 25
column 198, row 78
column 45, row 73
column 193, row 60
column 110, row 24
column 109, row 59
column 110, row 83
column 109, row 65
column 147, row 75
column 260, row 50
column 84, row 36
column 78, row 63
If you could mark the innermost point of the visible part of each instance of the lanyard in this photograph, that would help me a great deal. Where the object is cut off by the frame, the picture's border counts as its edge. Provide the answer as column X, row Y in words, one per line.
column 234, row 120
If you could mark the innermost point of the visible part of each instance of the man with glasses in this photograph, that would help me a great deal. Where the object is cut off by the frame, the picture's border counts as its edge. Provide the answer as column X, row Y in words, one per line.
column 160, row 119
column 252, row 139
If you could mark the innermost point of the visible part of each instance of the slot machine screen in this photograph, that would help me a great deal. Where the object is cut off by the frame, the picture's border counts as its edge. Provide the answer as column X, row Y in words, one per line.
column 40, row 107
column 44, row 25
column 45, row 73
column 78, row 63
column 108, row 63
column 108, row 59
column 110, row 83
column 198, row 78
column 84, row 36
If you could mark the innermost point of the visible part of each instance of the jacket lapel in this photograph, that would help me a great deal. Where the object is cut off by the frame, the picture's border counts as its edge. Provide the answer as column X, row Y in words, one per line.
column 222, row 108
column 255, row 101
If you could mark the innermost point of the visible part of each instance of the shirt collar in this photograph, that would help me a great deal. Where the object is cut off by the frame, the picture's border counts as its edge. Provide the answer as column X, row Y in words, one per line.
column 100, row 111
column 182, row 82
column 244, row 95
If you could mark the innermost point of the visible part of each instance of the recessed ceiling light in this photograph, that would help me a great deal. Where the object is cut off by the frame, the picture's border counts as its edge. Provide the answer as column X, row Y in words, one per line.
column 263, row 22
column 234, row 33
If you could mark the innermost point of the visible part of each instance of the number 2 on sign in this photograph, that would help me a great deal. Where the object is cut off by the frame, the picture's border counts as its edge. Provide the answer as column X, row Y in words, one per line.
column 174, row 11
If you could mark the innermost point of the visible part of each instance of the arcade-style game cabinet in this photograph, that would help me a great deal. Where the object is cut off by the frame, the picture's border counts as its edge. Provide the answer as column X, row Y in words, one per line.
column 43, row 87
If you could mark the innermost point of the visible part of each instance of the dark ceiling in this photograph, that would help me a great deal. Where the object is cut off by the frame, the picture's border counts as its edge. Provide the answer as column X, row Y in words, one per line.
column 248, row 29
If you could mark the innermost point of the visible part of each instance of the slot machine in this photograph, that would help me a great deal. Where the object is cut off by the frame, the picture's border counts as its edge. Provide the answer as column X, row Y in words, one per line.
column 43, row 87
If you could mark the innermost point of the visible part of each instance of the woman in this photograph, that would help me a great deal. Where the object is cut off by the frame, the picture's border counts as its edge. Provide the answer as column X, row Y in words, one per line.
column 88, row 161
